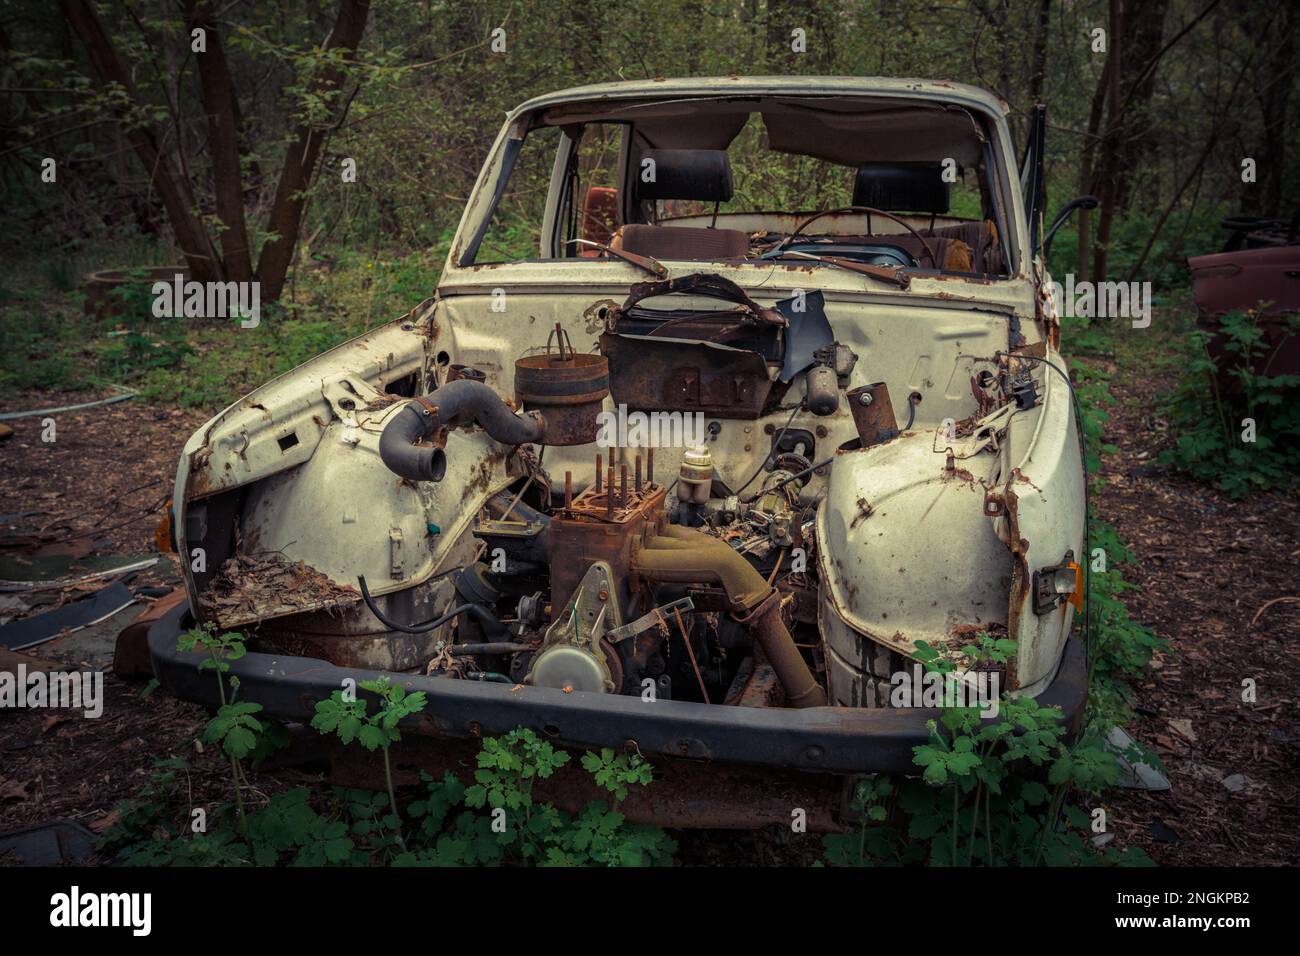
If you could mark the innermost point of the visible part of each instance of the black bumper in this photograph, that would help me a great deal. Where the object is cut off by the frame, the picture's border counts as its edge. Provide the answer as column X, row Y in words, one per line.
column 828, row 739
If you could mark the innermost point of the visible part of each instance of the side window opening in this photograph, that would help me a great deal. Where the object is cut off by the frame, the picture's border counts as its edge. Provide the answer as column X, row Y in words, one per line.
column 593, row 210
column 514, row 231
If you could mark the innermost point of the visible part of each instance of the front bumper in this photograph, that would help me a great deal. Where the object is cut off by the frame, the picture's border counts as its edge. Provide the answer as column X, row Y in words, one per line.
column 829, row 739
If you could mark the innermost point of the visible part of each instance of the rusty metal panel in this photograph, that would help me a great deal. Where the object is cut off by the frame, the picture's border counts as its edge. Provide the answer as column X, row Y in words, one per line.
column 673, row 375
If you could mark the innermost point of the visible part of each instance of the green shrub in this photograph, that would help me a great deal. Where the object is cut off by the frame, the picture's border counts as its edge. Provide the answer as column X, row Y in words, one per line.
column 991, row 791
column 495, row 820
column 1210, row 408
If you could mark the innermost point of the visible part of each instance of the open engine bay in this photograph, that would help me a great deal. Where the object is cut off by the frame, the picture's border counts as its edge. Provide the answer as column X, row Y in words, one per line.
column 692, row 580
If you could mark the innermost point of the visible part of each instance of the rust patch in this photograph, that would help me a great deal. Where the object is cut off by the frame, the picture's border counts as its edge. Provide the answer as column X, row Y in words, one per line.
column 480, row 480
column 597, row 315
column 1017, row 475
column 1020, row 576
column 963, row 476
column 987, row 403
column 865, row 511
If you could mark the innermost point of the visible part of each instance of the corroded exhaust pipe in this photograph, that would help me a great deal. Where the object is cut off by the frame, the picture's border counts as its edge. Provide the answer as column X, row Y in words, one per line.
column 683, row 556
column 463, row 400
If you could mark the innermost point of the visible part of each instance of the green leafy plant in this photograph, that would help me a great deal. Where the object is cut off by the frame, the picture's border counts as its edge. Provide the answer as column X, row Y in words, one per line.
column 511, row 765
column 346, row 716
column 141, row 830
column 137, row 341
column 1212, row 400
column 289, row 828
column 992, row 789
column 617, row 771
column 233, row 727
column 878, row 838
column 448, row 825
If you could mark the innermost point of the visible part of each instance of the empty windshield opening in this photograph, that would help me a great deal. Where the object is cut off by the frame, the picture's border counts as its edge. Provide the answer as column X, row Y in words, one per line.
column 737, row 184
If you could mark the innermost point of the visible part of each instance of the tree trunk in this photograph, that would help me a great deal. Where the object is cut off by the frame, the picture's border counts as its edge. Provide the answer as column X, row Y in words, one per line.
column 174, row 191
column 300, row 159
column 1128, row 141
column 1106, row 171
column 1275, row 92
column 219, row 104
column 1039, row 68
column 1087, row 162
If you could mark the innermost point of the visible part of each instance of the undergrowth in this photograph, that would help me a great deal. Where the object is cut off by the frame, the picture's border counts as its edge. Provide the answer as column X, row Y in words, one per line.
column 491, row 819
column 1236, row 425
column 52, row 344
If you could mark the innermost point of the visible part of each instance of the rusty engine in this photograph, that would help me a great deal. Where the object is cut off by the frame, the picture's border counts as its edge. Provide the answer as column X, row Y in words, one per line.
column 629, row 584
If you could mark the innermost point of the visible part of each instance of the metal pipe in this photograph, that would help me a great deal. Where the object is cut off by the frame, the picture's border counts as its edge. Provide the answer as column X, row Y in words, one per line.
column 683, row 556
column 801, row 690
column 690, row 652
column 490, row 677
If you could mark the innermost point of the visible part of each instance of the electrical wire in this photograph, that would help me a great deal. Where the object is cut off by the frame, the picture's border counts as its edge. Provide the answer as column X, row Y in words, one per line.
column 912, row 401
column 421, row 628
column 750, row 499
column 776, row 442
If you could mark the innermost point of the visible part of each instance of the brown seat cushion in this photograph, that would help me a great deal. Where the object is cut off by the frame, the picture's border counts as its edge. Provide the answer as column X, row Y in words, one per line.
column 681, row 242
column 599, row 213
column 981, row 238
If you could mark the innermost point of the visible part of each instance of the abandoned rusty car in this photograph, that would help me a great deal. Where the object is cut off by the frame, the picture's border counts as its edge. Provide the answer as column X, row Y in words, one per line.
column 687, row 475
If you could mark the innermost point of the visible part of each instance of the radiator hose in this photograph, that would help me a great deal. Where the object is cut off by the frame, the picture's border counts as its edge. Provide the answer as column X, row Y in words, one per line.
column 459, row 402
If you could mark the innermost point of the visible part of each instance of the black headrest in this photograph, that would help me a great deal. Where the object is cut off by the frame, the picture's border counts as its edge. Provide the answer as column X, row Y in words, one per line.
column 700, row 174
column 901, row 187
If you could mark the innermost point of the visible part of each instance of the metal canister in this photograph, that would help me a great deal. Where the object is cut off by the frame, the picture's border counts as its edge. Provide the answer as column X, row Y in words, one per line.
column 567, row 388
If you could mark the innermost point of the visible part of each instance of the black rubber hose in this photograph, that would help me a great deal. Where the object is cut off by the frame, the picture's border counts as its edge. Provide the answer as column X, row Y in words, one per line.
column 399, row 451
column 461, row 401
column 912, row 401
column 771, row 454
column 491, row 649
column 481, row 614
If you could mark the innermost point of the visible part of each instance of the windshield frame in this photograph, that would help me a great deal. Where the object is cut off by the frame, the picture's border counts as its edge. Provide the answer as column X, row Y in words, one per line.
column 1005, row 198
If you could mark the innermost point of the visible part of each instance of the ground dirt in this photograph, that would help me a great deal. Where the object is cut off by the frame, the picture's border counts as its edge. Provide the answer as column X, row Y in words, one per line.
column 1210, row 573
column 1207, row 568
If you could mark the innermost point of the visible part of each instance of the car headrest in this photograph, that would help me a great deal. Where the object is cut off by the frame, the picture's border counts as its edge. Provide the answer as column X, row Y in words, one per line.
column 699, row 174
column 901, row 187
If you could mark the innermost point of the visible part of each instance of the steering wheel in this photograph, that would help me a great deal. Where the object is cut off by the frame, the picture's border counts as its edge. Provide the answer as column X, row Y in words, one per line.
column 798, row 231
